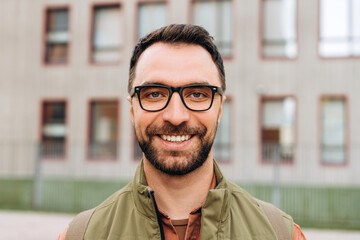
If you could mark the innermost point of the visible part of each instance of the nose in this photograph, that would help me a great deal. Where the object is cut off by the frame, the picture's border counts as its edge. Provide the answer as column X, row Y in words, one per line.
column 176, row 113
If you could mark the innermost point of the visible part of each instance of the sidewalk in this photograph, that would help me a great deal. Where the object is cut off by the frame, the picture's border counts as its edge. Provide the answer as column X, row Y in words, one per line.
column 325, row 234
column 16, row 225
column 32, row 225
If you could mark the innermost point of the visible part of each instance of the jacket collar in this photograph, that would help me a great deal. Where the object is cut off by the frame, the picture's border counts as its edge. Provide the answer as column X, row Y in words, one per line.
column 142, row 194
column 217, row 204
column 215, row 208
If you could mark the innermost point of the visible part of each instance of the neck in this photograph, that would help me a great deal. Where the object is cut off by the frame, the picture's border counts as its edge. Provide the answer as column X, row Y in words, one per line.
column 178, row 196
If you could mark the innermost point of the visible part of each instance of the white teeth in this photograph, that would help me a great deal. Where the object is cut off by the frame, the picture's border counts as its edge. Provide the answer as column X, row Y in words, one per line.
column 177, row 139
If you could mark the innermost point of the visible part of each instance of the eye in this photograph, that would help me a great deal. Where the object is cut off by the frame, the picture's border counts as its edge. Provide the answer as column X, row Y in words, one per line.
column 197, row 95
column 154, row 95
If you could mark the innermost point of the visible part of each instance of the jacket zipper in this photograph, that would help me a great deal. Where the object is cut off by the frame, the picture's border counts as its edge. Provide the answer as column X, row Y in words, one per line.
column 158, row 215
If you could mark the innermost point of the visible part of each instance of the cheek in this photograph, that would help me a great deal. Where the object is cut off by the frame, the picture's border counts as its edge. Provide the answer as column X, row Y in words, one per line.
column 209, row 120
column 142, row 120
column 137, row 123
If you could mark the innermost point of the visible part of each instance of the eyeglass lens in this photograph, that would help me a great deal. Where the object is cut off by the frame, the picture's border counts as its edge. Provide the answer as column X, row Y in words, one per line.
column 196, row 98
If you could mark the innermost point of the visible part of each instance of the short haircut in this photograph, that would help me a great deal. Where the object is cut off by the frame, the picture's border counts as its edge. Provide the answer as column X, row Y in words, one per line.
column 174, row 34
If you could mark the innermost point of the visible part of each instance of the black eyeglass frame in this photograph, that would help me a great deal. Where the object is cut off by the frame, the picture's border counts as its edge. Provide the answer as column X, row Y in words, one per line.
column 214, row 89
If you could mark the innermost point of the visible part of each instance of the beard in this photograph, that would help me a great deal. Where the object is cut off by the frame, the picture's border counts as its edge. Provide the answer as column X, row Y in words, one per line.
column 176, row 162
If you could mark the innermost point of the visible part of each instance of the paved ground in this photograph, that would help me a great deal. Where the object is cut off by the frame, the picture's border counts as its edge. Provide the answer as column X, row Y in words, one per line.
column 31, row 226
column 46, row 226
column 315, row 234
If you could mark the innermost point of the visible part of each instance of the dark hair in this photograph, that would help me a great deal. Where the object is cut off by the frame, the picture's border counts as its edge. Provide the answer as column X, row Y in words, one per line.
column 178, row 33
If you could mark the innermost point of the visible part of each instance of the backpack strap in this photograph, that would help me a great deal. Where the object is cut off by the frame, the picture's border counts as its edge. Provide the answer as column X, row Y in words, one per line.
column 276, row 220
column 78, row 225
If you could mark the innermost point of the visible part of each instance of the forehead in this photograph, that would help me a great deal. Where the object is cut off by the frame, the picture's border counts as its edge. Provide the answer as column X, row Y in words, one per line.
column 176, row 65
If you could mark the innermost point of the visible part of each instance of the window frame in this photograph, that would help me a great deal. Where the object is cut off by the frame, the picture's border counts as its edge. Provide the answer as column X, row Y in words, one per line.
column 46, row 11
column 137, row 15
column 89, row 130
column 262, row 99
column 264, row 57
column 320, row 56
column 232, row 27
column 92, row 32
column 64, row 155
column 346, row 130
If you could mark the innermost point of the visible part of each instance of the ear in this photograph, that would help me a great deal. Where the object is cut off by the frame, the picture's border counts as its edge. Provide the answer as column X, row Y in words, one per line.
column 220, row 110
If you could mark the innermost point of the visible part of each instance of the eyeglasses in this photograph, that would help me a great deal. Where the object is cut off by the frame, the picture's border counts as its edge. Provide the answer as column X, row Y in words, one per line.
column 156, row 97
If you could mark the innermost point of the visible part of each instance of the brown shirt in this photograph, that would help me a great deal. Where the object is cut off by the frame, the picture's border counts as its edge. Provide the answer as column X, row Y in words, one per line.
column 184, row 229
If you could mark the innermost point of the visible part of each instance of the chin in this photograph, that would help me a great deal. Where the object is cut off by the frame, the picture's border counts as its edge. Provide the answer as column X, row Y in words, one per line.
column 176, row 165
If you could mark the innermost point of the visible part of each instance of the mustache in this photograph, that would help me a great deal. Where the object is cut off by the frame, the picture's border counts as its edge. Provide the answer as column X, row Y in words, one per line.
column 170, row 129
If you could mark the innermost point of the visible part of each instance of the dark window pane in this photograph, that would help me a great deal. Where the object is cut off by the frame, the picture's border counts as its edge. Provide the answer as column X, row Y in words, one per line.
column 53, row 129
column 57, row 20
column 57, row 36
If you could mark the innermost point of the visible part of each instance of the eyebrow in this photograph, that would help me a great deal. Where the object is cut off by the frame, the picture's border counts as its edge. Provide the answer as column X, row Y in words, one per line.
column 161, row 83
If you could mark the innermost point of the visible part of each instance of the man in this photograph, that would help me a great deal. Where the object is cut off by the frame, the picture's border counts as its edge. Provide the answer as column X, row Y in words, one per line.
column 176, row 88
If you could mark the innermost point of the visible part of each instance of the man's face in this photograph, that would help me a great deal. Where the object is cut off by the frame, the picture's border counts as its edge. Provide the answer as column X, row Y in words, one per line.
column 176, row 140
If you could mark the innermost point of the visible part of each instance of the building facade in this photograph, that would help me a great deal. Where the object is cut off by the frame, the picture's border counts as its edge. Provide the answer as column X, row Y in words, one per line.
column 292, row 72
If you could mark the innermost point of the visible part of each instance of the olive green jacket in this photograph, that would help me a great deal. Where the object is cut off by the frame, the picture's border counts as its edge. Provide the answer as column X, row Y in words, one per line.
column 229, row 212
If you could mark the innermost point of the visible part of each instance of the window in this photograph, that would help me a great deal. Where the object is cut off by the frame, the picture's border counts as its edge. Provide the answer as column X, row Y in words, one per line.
column 278, row 129
column 222, row 146
column 339, row 28
column 103, row 129
column 53, row 132
column 106, row 34
column 57, row 35
column 279, row 28
column 333, row 126
column 151, row 17
column 215, row 16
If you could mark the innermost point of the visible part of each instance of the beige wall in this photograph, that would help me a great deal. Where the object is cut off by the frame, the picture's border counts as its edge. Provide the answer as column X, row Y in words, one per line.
column 25, row 81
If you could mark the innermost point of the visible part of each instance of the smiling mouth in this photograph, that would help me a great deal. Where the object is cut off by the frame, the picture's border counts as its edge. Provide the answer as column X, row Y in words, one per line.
column 176, row 139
